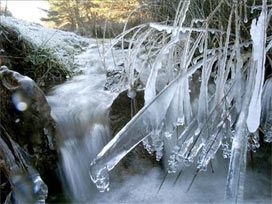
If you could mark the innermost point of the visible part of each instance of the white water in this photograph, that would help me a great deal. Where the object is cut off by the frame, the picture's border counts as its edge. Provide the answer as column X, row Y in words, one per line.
column 80, row 108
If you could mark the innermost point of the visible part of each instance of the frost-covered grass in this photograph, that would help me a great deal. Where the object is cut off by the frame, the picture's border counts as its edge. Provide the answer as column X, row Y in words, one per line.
column 40, row 64
column 64, row 45
column 203, row 76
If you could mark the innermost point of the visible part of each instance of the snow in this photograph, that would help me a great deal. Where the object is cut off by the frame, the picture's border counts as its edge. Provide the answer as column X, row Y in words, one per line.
column 179, row 32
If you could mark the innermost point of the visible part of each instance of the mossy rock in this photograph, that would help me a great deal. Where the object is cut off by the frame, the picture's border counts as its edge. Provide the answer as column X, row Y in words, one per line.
column 38, row 63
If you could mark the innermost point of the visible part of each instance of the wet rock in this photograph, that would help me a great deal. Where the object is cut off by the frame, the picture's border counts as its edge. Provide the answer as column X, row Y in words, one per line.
column 26, row 122
column 114, row 78
column 122, row 109
column 117, row 80
column 120, row 112
column 123, row 45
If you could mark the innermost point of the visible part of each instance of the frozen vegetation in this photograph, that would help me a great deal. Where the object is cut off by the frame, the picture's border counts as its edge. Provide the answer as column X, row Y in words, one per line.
column 65, row 45
column 220, row 85
column 206, row 100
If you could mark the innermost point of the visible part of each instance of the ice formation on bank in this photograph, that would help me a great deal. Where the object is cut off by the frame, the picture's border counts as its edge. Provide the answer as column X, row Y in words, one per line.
column 216, row 101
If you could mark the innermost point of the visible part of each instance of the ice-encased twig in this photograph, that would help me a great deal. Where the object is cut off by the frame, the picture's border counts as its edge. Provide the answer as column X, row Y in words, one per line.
column 266, row 116
column 134, row 132
column 222, row 71
column 150, row 90
column 237, row 166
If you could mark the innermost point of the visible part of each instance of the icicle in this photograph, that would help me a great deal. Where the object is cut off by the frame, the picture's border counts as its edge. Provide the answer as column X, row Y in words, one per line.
column 174, row 119
column 147, row 144
column 203, row 96
column 27, row 185
column 140, row 127
column 245, row 12
column 194, row 150
column 209, row 151
column 184, row 142
column 187, row 112
column 134, row 55
column 237, row 166
column 214, row 141
column 221, row 79
column 173, row 161
column 226, row 140
column 258, row 35
column 150, row 93
column 157, row 143
column 266, row 117
column 186, row 103
column 150, row 89
column 239, row 61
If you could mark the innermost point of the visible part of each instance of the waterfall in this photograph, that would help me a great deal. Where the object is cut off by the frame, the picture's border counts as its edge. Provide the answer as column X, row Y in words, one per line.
column 80, row 108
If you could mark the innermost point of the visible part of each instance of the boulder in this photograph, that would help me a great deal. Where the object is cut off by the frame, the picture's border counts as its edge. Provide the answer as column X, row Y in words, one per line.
column 27, row 126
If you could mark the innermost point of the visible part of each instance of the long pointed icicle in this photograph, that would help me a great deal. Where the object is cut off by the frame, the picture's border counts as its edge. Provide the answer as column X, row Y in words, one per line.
column 135, row 131
column 150, row 89
column 246, row 123
column 237, row 166
column 258, row 35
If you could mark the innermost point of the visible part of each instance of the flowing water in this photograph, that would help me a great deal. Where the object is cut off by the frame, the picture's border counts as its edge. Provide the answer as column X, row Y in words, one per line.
column 80, row 107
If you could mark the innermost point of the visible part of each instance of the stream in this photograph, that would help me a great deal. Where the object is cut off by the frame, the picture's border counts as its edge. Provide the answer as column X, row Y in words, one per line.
column 80, row 108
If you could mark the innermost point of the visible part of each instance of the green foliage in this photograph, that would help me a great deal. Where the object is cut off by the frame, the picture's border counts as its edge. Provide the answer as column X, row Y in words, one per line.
column 90, row 17
column 45, row 68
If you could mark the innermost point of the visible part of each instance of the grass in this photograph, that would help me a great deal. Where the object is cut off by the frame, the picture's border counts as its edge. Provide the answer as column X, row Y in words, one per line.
column 38, row 63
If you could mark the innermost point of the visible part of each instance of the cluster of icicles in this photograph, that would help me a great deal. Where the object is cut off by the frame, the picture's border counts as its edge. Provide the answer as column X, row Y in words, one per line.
column 217, row 100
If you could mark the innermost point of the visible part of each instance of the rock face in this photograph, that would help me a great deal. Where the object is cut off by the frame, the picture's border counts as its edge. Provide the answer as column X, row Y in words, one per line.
column 27, row 125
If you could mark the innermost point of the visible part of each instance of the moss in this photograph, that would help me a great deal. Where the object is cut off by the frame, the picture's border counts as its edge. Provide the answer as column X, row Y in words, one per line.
column 45, row 69
column 38, row 63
